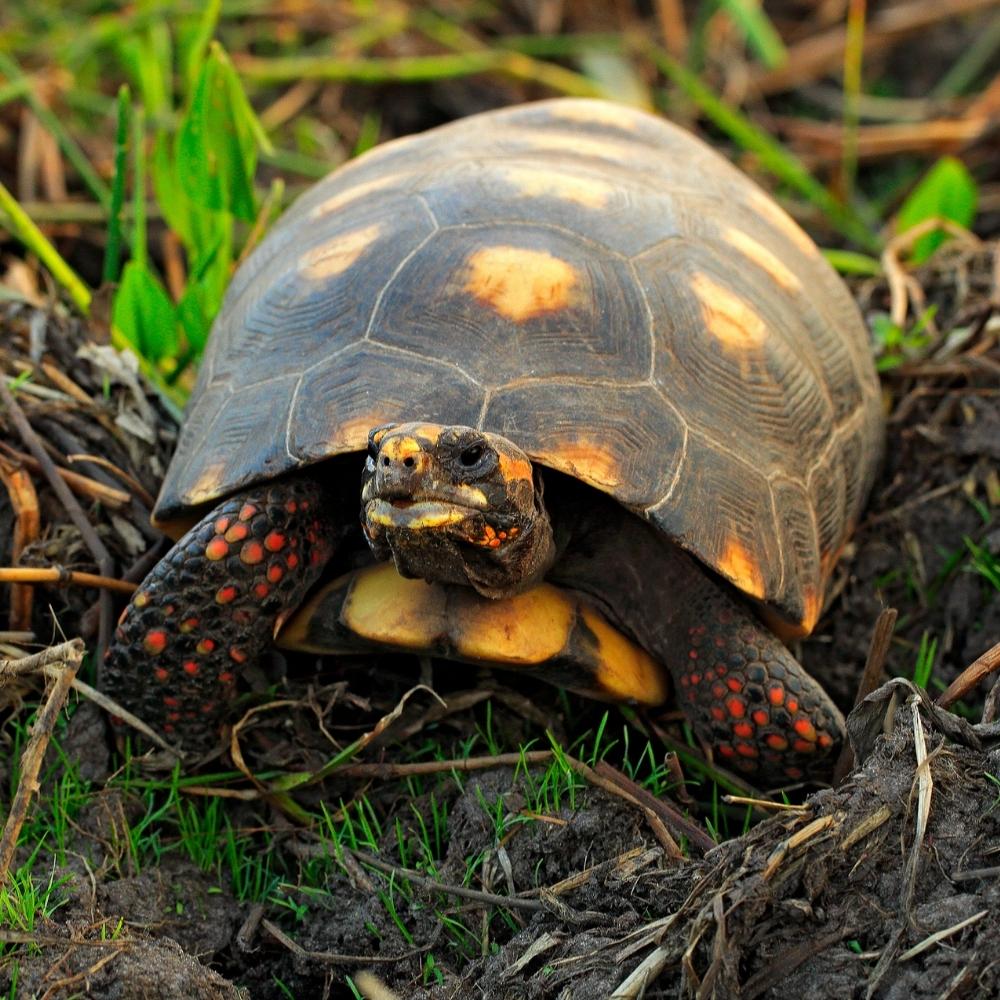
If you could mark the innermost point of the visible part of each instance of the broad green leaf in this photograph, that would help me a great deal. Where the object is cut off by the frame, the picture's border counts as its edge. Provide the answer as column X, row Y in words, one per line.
column 143, row 313
column 946, row 190
column 170, row 196
column 216, row 152
column 206, row 286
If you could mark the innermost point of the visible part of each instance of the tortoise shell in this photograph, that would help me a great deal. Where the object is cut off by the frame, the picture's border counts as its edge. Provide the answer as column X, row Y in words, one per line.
column 588, row 280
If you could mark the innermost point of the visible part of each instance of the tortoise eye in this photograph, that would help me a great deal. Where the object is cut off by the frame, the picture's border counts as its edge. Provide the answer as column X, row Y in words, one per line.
column 471, row 455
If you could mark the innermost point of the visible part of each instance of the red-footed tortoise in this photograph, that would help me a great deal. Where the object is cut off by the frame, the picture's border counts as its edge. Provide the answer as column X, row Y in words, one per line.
column 569, row 294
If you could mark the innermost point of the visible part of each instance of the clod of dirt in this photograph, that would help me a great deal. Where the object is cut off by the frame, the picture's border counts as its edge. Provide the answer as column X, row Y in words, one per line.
column 137, row 970
column 824, row 903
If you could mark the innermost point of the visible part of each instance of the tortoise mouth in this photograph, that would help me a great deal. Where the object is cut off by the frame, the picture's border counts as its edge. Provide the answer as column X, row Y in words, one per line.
column 417, row 515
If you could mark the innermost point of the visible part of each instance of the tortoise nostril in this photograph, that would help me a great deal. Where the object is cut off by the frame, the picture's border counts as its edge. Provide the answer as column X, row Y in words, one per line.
column 385, row 461
column 409, row 462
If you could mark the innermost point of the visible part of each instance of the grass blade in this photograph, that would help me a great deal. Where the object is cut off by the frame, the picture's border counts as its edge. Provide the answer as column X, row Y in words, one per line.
column 112, row 254
column 21, row 226
column 762, row 38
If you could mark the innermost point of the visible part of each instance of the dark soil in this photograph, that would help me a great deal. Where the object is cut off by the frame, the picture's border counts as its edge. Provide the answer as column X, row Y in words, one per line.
column 830, row 914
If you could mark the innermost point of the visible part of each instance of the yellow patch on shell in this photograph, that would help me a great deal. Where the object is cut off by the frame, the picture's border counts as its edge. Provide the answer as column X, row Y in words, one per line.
column 738, row 565
column 352, row 435
column 595, row 112
column 763, row 258
column 586, row 460
column 337, row 256
column 728, row 318
column 342, row 198
column 518, row 283
column 208, row 485
column 576, row 145
column 625, row 670
column 813, row 605
column 766, row 206
column 538, row 182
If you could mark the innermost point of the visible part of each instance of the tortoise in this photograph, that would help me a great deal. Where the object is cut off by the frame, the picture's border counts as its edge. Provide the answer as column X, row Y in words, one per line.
column 614, row 415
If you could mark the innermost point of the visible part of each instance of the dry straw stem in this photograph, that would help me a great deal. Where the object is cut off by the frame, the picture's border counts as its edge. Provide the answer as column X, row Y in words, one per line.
column 828, row 140
column 871, row 677
column 970, row 678
column 27, row 527
column 62, row 577
column 933, row 939
column 372, row 988
column 767, row 805
column 332, row 957
column 137, row 488
column 68, row 657
column 925, row 789
column 902, row 285
column 797, row 839
column 463, row 892
column 90, row 537
column 81, row 485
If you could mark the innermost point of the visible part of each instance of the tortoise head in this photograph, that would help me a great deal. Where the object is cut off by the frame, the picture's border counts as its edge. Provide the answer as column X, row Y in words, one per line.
column 455, row 505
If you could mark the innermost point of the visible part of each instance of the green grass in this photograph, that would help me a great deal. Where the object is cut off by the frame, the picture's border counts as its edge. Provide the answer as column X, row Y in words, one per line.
column 28, row 897
column 190, row 132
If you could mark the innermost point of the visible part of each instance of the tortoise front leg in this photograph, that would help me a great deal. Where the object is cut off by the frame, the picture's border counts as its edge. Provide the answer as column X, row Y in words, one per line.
column 213, row 604
column 745, row 693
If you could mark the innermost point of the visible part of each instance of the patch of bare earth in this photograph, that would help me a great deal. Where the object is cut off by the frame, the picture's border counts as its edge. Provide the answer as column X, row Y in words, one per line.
column 885, row 886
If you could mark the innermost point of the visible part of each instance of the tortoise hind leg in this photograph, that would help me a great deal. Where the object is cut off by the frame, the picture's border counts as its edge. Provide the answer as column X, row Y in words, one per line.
column 746, row 694
column 212, row 605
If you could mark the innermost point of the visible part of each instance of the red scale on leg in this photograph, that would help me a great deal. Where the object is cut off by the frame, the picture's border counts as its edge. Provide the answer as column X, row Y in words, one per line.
column 764, row 713
column 186, row 641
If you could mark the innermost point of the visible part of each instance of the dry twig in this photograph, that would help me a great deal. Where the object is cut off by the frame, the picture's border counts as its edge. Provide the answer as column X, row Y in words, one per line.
column 69, row 655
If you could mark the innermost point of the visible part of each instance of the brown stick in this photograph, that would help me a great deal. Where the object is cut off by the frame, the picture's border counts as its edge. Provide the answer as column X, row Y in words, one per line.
column 34, row 752
column 670, row 815
column 63, row 578
column 488, row 898
column 81, row 485
column 871, row 677
column 653, row 817
column 970, row 677
column 27, row 526
column 140, row 491
column 827, row 139
column 90, row 537
column 387, row 771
